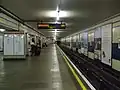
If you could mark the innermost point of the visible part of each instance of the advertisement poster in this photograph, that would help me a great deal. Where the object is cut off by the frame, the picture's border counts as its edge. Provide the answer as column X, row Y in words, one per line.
column 91, row 42
column 106, row 44
column 97, row 49
column 85, row 43
column 85, row 37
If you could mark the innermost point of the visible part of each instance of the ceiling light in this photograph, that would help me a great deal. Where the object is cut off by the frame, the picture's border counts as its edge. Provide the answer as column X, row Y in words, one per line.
column 53, row 14
column 2, row 30
column 62, row 14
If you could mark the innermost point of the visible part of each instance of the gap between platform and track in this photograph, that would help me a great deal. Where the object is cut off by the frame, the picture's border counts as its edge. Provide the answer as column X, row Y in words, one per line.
column 69, row 63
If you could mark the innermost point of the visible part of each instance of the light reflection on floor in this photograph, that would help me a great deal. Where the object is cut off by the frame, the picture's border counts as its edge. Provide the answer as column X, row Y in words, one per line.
column 56, row 77
column 45, row 72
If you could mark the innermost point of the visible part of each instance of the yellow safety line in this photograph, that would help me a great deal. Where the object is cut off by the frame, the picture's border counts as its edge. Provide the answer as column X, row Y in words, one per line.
column 75, row 75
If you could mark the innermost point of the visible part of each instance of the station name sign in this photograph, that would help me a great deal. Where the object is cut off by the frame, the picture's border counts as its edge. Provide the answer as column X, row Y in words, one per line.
column 51, row 26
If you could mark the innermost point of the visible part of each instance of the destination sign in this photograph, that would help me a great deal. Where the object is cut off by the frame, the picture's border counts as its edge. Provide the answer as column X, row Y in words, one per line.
column 51, row 26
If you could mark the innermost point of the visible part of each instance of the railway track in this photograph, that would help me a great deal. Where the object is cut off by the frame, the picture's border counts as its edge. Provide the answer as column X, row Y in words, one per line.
column 96, row 73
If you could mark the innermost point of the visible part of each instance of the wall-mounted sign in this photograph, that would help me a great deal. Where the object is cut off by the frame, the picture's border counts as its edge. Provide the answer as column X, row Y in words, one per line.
column 51, row 26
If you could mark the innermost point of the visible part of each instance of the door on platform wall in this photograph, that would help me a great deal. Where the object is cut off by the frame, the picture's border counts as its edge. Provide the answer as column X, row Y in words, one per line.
column 106, row 44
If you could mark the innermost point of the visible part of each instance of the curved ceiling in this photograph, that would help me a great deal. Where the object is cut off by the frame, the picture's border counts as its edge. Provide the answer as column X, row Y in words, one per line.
column 83, row 13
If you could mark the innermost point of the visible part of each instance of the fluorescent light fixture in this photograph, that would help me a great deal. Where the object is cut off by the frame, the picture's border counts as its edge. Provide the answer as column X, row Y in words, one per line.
column 54, row 13
column 61, row 14
column 2, row 30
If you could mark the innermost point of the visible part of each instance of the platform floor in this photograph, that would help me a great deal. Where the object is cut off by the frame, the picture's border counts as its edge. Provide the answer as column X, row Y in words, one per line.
column 45, row 72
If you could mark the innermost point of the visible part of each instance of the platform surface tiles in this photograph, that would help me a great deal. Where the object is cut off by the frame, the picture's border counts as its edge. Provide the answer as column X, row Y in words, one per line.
column 45, row 72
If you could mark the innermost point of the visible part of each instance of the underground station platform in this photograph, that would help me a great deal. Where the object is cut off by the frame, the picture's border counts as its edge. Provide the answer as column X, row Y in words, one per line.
column 49, row 71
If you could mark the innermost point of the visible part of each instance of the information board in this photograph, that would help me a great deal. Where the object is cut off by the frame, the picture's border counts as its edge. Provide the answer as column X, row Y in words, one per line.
column 14, row 44
column 18, row 44
column 51, row 26
column 8, row 44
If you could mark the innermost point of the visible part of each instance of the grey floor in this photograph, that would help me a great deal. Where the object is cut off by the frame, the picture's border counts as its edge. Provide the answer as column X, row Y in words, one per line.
column 45, row 72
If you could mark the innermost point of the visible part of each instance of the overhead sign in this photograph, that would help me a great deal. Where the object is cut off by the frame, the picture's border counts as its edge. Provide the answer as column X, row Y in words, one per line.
column 51, row 26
